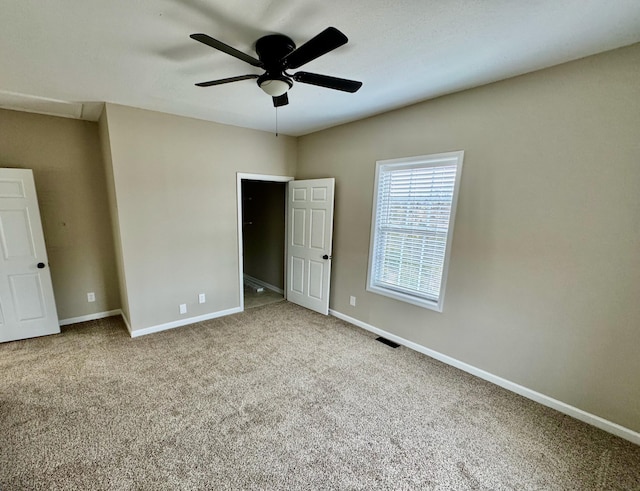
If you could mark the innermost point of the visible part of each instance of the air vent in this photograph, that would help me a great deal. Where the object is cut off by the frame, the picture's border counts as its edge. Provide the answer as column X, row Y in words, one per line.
column 387, row 342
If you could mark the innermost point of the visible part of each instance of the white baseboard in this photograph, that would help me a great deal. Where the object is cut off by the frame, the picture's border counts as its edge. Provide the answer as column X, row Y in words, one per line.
column 263, row 283
column 89, row 317
column 181, row 322
column 567, row 409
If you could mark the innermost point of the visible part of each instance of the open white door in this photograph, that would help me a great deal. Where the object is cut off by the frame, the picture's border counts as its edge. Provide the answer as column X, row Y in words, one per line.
column 27, row 306
column 309, row 235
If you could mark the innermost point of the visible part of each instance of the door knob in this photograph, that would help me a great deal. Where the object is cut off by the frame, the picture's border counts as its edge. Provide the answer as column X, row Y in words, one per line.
column 40, row 265
column 326, row 257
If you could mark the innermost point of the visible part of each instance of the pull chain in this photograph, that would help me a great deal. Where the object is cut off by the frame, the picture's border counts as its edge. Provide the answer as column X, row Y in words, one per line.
column 276, row 121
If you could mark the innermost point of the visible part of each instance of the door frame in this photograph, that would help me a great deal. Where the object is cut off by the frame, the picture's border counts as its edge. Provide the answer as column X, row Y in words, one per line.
column 257, row 177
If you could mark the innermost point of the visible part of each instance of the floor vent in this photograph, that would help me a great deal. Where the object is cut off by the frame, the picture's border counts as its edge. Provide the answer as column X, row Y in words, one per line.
column 387, row 342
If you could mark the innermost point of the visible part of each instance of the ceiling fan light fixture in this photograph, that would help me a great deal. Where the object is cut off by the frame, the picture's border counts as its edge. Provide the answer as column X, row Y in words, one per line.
column 275, row 87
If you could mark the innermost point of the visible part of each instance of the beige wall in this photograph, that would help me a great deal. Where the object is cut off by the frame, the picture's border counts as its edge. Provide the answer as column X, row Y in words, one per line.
column 65, row 157
column 105, row 146
column 264, row 231
column 544, row 279
column 175, row 187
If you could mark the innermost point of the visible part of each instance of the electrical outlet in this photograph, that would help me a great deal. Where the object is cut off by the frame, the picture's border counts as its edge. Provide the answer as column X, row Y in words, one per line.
column 183, row 308
column 202, row 298
column 91, row 297
column 352, row 301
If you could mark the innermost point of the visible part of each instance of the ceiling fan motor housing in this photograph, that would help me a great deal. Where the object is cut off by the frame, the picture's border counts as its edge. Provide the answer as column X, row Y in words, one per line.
column 271, row 51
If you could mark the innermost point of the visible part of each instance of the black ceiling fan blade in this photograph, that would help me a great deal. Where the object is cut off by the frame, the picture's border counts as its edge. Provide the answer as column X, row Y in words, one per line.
column 326, row 41
column 225, row 48
column 281, row 100
column 327, row 81
column 226, row 80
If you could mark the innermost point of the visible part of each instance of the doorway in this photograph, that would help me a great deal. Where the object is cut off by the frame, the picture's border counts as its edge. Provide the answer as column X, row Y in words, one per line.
column 306, row 220
column 262, row 234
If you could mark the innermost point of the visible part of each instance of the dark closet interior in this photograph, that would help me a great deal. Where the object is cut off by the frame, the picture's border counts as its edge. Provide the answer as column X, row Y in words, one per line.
column 263, row 232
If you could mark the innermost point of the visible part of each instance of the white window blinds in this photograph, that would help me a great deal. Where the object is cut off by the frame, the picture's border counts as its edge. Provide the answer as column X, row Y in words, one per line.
column 413, row 218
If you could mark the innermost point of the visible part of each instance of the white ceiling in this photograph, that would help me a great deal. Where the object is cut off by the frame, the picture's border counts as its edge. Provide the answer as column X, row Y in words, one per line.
column 62, row 56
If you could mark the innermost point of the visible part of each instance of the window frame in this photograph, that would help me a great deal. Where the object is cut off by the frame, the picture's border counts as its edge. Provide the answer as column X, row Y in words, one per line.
column 422, row 161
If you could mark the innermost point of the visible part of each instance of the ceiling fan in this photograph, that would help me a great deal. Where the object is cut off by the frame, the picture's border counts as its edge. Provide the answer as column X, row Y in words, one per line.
column 276, row 54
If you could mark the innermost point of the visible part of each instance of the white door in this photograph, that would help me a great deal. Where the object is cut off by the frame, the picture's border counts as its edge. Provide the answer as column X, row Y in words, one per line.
column 309, row 234
column 27, row 307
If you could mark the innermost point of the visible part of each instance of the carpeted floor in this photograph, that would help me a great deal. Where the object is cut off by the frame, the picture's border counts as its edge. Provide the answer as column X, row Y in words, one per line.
column 277, row 397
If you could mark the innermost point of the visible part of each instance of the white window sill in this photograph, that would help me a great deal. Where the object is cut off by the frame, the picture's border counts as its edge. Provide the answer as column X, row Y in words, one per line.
column 403, row 297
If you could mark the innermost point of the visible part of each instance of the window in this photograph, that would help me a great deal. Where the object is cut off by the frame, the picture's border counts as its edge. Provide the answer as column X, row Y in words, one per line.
column 414, row 208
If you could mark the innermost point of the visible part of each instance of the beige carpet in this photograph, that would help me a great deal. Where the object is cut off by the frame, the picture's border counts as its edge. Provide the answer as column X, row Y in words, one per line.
column 277, row 398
